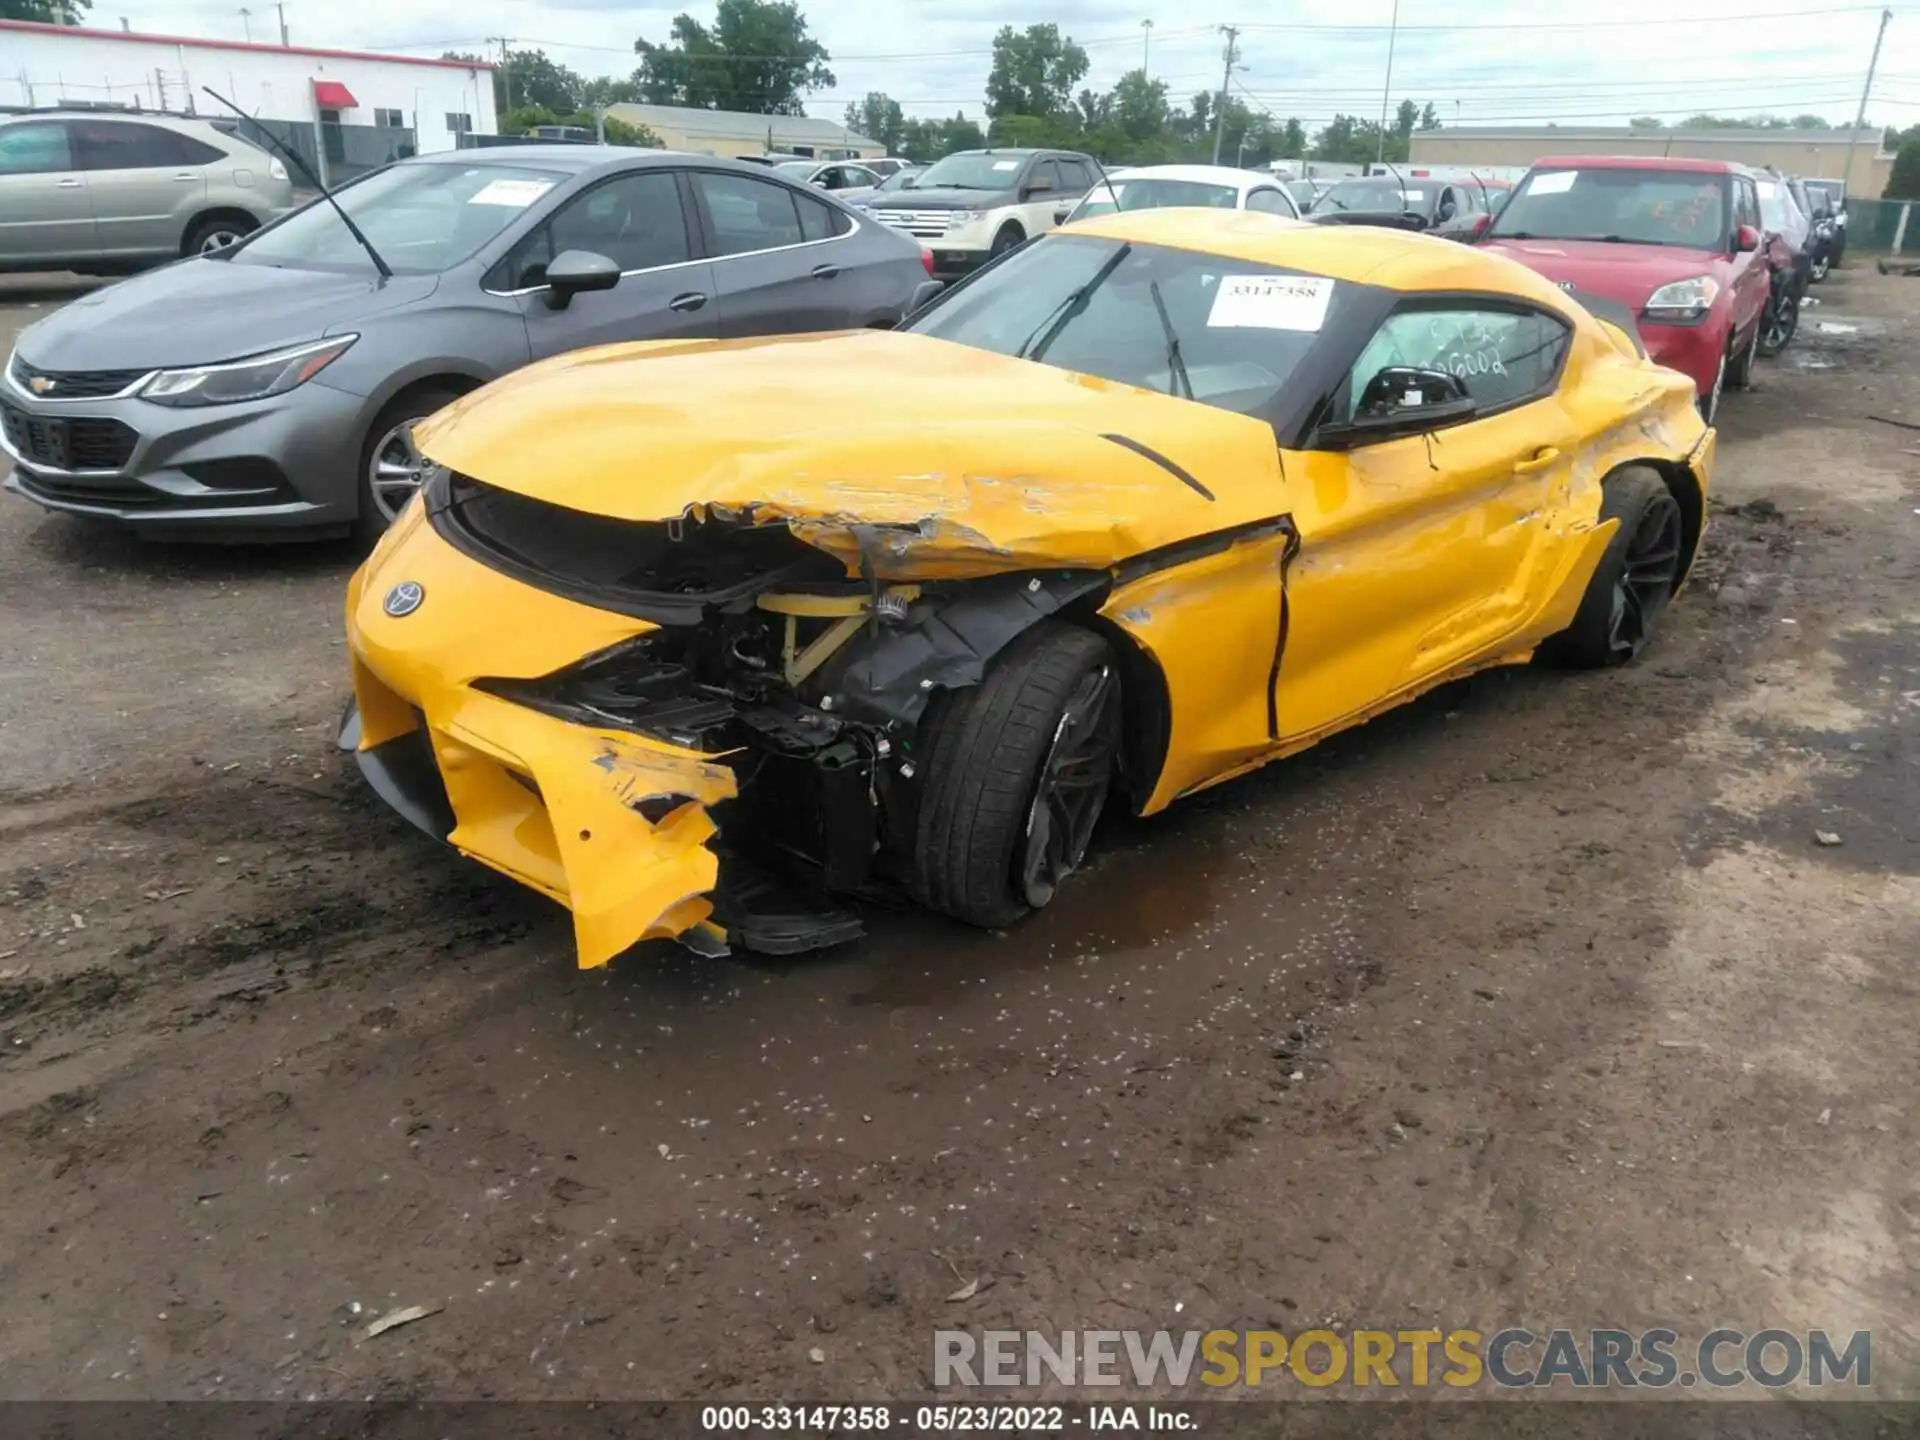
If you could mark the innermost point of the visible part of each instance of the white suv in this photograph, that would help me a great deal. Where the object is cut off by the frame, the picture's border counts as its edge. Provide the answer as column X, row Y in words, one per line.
column 977, row 204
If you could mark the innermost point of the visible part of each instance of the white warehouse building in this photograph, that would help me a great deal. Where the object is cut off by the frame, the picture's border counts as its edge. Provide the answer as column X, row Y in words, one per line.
column 50, row 65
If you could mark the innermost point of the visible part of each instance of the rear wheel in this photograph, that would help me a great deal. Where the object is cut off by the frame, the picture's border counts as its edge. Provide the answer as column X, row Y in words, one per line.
column 1740, row 368
column 1822, row 263
column 1017, row 771
column 1781, row 320
column 1635, row 578
column 216, row 233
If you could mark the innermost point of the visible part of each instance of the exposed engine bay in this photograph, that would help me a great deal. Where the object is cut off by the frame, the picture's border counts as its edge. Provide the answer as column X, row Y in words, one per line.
column 809, row 685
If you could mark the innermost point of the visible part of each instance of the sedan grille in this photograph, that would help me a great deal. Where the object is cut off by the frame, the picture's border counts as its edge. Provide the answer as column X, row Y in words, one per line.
column 72, row 384
column 923, row 224
column 60, row 443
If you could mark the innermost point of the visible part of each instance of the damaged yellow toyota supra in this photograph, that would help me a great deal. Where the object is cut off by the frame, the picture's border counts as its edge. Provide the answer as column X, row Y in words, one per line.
column 710, row 639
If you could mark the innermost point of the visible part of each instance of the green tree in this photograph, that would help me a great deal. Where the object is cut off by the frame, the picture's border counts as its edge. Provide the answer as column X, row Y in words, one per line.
column 924, row 141
column 1140, row 106
column 1293, row 140
column 1812, row 122
column 1405, row 118
column 47, row 12
column 1094, row 109
column 613, row 90
column 529, row 77
column 1429, row 117
column 878, row 117
column 1646, row 122
column 757, row 57
column 1904, row 182
column 1034, row 71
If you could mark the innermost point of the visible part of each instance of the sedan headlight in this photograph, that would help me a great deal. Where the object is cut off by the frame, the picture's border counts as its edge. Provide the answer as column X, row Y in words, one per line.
column 254, row 378
column 1683, row 299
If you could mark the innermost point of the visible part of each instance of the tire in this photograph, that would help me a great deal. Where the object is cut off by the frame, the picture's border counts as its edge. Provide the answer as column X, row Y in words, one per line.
column 1740, row 368
column 1634, row 580
column 1009, row 236
column 380, row 504
column 1709, row 403
column 215, row 233
column 998, row 830
column 1781, row 320
column 1822, row 263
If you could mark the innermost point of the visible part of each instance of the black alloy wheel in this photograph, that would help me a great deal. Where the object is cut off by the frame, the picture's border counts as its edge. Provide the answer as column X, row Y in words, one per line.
column 1071, row 789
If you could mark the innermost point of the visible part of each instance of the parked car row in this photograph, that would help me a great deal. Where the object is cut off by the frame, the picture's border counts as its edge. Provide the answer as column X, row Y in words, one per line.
column 620, row 587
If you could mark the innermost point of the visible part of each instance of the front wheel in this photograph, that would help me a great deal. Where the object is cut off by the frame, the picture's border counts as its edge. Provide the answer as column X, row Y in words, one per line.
column 1822, row 263
column 1017, row 770
column 1635, row 578
column 1709, row 403
column 391, row 465
column 1008, row 237
column 1740, row 369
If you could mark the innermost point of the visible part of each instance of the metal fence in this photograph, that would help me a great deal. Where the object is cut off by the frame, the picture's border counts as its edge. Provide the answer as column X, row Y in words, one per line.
column 1882, row 227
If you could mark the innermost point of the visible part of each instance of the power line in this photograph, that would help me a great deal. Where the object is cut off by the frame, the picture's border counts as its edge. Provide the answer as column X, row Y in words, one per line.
column 537, row 43
column 1503, row 26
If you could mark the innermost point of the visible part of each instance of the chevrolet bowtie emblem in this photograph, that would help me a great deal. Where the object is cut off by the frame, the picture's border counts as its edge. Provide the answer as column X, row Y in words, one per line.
column 40, row 384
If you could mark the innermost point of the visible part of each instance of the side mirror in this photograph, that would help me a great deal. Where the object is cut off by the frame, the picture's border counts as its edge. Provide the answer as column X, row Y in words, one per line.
column 1481, row 222
column 1401, row 400
column 575, row 272
column 1060, row 214
column 1746, row 238
column 923, row 294
column 1029, row 192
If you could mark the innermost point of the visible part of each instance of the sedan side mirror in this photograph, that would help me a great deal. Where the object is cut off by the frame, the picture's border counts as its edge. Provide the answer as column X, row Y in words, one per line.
column 1401, row 400
column 575, row 272
column 1060, row 214
column 923, row 295
column 1745, row 238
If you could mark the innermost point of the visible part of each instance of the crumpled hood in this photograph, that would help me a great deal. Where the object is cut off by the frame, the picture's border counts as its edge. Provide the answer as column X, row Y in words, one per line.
column 929, row 459
column 1627, row 273
column 199, row 311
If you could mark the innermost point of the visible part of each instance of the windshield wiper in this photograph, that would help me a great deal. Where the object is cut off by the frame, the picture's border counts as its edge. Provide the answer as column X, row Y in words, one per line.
column 386, row 271
column 1048, row 330
column 1176, row 367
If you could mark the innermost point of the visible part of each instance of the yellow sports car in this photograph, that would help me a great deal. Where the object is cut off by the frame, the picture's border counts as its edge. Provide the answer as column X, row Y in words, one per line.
column 702, row 638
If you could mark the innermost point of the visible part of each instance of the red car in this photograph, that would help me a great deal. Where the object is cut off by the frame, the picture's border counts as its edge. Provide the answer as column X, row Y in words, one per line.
column 1678, row 242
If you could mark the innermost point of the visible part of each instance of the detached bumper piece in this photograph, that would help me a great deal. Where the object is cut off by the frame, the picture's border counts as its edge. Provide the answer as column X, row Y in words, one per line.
column 619, row 829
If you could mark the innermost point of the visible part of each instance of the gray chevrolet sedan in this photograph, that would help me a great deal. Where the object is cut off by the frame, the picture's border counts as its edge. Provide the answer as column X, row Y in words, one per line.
column 270, row 389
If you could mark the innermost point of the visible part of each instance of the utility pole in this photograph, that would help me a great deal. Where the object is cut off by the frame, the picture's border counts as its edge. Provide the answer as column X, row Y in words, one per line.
column 1226, row 78
column 1386, row 90
column 1146, row 45
column 281, row 10
column 246, row 24
column 506, row 63
column 1860, row 118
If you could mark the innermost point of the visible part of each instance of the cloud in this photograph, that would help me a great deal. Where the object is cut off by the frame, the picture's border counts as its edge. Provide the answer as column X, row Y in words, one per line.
column 1717, row 55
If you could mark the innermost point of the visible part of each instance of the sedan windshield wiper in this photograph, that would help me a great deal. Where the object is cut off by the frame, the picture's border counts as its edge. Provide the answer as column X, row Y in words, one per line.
column 1178, row 381
column 1048, row 330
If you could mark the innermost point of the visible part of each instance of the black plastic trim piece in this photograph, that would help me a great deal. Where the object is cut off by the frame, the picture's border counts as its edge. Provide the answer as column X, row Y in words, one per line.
column 1147, row 452
column 1200, row 546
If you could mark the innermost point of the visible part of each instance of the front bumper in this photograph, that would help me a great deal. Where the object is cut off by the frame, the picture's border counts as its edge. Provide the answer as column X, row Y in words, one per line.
column 265, row 468
column 612, row 825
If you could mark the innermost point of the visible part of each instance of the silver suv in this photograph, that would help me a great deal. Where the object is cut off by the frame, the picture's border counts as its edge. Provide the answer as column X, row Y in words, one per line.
column 100, row 192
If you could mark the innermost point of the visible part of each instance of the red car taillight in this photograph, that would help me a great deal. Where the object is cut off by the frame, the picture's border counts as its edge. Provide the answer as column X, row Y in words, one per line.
column 926, row 260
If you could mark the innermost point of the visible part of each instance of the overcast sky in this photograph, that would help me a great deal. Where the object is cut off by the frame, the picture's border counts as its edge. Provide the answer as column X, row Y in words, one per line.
column 1485, row 62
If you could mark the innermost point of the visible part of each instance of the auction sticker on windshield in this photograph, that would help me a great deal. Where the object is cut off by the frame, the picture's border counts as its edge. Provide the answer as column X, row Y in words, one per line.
column 1271, row 302
column 517, row 193
column 1006, row 164
column 1554, row 182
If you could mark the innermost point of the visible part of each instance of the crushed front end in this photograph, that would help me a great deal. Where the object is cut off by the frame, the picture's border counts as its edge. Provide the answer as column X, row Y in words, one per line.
column 701, row 728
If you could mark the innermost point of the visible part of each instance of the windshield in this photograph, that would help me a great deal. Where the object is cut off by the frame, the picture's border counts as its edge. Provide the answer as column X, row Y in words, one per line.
column 423, row 219
column 1233, row 332
column 901, row 180
column 798, row 169
column 972, row 170
column 1637, row 207
column 1773, row 206
column 1379, row 195
column 1157, row 195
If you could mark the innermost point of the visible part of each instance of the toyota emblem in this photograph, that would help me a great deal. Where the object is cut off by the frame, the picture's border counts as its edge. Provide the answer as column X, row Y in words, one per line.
column 404, row 598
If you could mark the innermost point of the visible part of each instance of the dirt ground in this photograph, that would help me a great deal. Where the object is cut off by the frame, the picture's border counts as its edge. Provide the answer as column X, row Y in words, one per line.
column 1540, row 1002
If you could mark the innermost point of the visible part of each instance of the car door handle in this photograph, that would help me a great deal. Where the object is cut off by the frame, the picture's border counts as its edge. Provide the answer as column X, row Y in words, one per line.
column 71, row 182
column 690, row 301
column 825, row 272
column 188, row 175
column 1542, row 459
